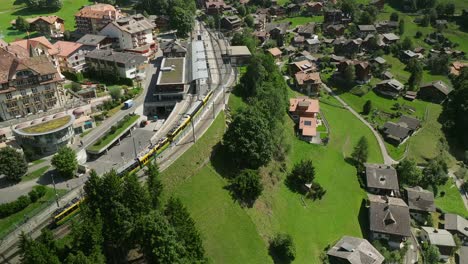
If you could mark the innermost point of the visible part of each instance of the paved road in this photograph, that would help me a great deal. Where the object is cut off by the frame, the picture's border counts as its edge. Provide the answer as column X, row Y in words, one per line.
column 387, row 159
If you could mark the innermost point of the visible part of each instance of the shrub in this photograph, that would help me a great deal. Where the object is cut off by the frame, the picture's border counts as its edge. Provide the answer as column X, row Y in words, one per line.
column 10, row 208
column 282, row 247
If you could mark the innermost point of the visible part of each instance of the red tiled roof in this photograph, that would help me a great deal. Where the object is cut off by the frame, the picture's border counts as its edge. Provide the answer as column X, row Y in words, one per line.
column 302, row 77
column 308, row 126
column 98, row 11
column 66, row 48
column 313, row 104
column 25, row 43
column 275, row 52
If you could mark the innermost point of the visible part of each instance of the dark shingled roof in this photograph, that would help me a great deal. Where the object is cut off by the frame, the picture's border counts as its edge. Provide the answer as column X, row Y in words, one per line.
column 395, row 131
column 381, row 176
column 356, row 251
column 91, row 40
column 420, row 199
column 389, row 215
column 439, row 85
column 455, row 222
column 410, row 122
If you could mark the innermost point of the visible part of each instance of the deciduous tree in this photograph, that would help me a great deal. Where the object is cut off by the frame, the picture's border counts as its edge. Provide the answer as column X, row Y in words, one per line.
column 12, row 164
column 65, row 162
column 408, row 173
column 154, row 184
column 247, row 186
column 282, row 248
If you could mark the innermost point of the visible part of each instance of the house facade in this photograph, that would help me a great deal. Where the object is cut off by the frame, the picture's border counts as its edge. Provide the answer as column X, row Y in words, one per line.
column 127, row 65
column 71, row 56
column 28, row 85
column 52, row 26
column 91, row 19
column 132, row 33
column 436, row 91
column 304, row 112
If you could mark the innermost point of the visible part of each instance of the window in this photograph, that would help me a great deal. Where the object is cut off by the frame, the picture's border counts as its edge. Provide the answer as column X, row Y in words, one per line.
column 34, row 90
column 23, row 92
column 8, row 96
column 12, row 104
column 37, row 99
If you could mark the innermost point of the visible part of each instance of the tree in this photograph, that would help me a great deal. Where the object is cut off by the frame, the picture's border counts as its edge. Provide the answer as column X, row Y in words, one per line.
column 34, row 252
column 361, row 153
column 436, row 172
column 12, row 164
column 394, row 16
column 22, row 24
column 187, row 234
column 158, row 240
column 401, row 27
column 248, row 139
column 181, row 20
column 416, row 73
column 282, row 248
column 367, row 108
column 115, row 92
column 65, row 162
column 241, row 10
column 349, row 74
column 54, row 4
column 154, row 184
column 249, row 21
column 431, row 254
column 438, row 64
column 301, row 174
column 455, row 110
column 75, row 86
column 247, row 186
column 450, row 9
column 407, row 44
column 349, row 7
column 408, row 173
column 316, row 191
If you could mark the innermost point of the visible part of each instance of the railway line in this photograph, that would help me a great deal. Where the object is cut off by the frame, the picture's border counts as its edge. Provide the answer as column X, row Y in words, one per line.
column 175, row 141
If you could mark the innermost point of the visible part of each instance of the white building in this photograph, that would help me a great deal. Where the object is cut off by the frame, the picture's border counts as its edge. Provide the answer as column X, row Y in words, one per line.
column 71, row 56
column 133, row 33
column 127, row 65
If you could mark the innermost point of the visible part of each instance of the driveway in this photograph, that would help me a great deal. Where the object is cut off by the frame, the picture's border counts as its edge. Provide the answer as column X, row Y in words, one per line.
column 387, row 159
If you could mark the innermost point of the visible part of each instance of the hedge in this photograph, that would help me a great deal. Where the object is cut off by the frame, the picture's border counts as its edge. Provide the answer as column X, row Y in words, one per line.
column 22, row 202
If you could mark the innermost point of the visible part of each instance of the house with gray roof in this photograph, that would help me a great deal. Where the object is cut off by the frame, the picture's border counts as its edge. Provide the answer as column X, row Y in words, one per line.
column 126, row 64
column 173, row 48
column 389, row 88
column 381, row 179
column 95, row 41
column 397, row 133
column 457, row 225
column 132, row 33
column 364, row 30
column 440, row 238
column 389, row 219
column 420, row 202
column 353, row 250
column 436, row 91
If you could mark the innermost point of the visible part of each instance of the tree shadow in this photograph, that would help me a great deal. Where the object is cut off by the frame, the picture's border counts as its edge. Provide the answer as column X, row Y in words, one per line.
column 46, row 178
column 223, row 162
column 363, row 218
column 453, row 143
column 29, row 11
column 5, row 183
column 276, row 259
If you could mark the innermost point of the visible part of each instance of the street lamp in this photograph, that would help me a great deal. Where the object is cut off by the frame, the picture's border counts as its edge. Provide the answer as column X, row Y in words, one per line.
column 55, row 189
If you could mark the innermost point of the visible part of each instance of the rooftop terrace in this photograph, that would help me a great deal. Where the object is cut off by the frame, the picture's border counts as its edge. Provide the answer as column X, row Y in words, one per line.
column 172, row 71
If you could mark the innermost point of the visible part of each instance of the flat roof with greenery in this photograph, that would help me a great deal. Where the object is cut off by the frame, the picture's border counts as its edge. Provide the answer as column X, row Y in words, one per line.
column 48, row 126
column 109, row 137
column 176, row 75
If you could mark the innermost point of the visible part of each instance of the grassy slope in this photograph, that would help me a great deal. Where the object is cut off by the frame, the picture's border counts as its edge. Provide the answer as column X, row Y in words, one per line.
column 9, row 11
column 321, row 222
column 7, row 223
column 451, row 202
column 229, row 235
column 301, row 20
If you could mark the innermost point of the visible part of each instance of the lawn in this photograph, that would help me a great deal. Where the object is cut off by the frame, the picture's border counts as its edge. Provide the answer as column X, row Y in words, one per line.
column 418, row 149
column 39, row 161
column 35, row 174
column 229, row 235
column 9, row 11
column 9, row 223
column 451, row 202
column 301, row 20
column 236, row 235
column 48, row 125
column 111, row 136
